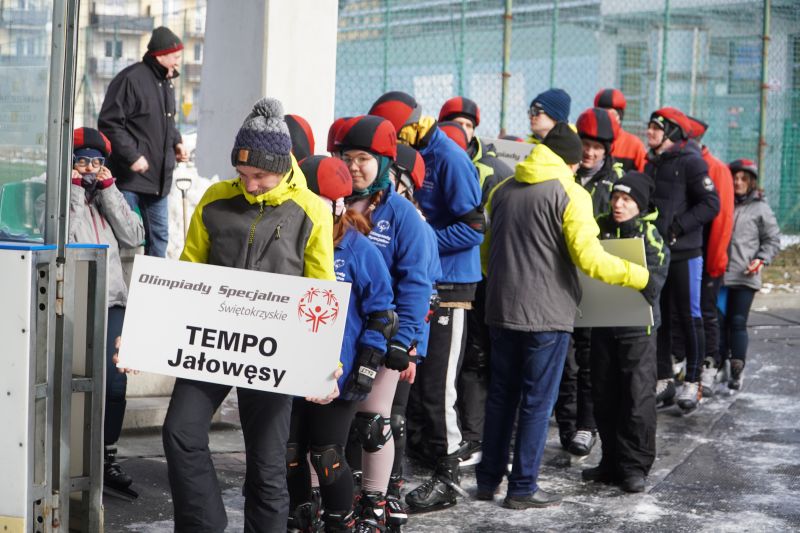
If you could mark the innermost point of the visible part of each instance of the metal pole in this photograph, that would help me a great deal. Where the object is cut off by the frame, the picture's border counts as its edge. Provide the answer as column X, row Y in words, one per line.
column 762, row 124
column 553, row 47
column 114, row 50
column 664, row 40
column 461, row 48
column 693, row 82
column 180, row 81
column 386, row 31
column 507, row 18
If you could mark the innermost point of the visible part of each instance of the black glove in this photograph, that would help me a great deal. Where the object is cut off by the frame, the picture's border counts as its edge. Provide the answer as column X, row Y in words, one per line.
column 364, row 371
column 650, row 291
column 397, row 357
column 675, row 231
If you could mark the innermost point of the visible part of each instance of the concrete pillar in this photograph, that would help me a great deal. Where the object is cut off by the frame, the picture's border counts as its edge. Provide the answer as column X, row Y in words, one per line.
column 285, row 49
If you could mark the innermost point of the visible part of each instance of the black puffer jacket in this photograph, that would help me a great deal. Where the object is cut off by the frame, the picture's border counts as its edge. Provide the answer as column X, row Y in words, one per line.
column 138, row 117
column 685, row 198
column 601, row 184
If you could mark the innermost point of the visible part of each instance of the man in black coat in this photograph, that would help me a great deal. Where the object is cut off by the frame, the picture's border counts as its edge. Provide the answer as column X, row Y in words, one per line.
column 138, row 116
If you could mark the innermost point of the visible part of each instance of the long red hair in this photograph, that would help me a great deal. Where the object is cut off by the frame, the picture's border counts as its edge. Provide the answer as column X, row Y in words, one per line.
column 350, row 219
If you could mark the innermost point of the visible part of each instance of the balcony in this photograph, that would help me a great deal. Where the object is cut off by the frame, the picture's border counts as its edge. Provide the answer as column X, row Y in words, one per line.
column 121, row 23
column 106, row 67
column 191, row 71
column 24, row 61
column 24, row 18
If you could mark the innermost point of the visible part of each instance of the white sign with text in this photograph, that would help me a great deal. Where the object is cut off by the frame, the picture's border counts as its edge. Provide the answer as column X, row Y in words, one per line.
column 236, row 327
column 509, row 152
column 604, row 305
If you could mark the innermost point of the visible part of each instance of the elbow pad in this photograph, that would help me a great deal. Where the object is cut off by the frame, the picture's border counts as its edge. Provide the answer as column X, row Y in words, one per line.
column 386, row 323
column 475, row 219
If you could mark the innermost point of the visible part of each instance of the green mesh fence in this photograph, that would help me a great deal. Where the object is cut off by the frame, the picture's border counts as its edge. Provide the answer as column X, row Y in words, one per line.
column 702, row 56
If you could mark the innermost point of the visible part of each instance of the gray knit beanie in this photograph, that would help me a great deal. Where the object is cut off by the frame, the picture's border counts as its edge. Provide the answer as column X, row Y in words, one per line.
column 263, row 140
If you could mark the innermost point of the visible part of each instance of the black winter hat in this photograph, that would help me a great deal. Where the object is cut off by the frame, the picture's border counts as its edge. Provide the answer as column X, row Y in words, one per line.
column 639, row 186
column 163, row 42
column 263, row 140
column 565, row 143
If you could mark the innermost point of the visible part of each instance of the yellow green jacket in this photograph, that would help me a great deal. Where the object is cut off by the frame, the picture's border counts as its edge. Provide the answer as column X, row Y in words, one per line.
column 541, row 230
column 287, row 230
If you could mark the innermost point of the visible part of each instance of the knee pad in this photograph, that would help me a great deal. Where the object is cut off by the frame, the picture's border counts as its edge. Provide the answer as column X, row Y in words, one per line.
column 327, row 462
column 294, row 457
column 373, row 430
column 398, row 426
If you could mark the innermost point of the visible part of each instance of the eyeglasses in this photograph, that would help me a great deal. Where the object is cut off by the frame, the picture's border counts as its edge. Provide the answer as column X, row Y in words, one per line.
column 86, row 161
column 535, row 111
column 360, row 160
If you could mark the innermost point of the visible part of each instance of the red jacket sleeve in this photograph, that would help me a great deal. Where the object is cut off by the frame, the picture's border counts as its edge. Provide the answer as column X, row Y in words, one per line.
column 719, row 235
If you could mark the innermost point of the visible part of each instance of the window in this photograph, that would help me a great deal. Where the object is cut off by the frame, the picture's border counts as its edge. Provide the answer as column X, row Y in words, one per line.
column 737, row 65
column 198, row 52
column 632, row 68
column 114, row 49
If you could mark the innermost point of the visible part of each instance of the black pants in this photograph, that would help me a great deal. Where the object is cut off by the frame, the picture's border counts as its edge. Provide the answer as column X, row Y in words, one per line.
column 574, row 405
column 709, row 292
column 317, row 426
column 624, row 393
column 116, row 382
column 733, row 339
column 681, row 295
column 473, row 380
column 432, row 416
column 196, row 497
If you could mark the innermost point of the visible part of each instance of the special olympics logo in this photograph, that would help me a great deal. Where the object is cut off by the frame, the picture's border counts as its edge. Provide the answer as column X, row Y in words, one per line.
column 339, row 263
column 318, row 307
column 383, row 226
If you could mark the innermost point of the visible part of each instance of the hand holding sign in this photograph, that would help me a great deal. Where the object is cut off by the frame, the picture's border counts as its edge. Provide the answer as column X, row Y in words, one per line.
column 334, row 393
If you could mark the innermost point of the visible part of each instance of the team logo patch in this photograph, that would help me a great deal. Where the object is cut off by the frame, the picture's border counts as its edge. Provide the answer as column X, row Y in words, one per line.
column 708, row 184
column 317, row 308
column 383, row 226
column 339, row 263
column 243, row 155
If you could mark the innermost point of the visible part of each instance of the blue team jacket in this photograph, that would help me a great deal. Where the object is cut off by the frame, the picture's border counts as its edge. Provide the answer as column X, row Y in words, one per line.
column 397, row 231
column 434, row 273
column 451, row 189
column 356, row 261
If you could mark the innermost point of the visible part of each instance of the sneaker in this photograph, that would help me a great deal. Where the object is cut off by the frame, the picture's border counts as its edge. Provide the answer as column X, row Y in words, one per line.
column 665, row 393
column 708, row 378
column 538, row 499
column 737, row 369
column 582, row 442
column 679, row 369
column 690, row 396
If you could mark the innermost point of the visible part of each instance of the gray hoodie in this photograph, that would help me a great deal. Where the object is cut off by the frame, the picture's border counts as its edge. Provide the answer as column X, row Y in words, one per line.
column 755, row 235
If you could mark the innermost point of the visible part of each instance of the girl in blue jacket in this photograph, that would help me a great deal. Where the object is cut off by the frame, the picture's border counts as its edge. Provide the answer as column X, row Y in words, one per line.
column 319, row 427
column 368, row 145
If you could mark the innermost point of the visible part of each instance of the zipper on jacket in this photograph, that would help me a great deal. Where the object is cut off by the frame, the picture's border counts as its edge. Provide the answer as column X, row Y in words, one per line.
column 252, row 235
column 276, row 235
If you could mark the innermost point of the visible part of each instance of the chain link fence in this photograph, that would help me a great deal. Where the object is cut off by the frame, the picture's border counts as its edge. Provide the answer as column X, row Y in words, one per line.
column 702, row 56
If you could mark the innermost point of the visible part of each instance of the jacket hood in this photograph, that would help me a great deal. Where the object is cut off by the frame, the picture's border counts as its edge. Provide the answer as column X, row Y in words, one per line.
column 292, row 181
column 542, row 165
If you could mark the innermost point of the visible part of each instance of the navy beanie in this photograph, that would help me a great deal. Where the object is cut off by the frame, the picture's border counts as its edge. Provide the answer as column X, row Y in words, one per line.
column 263, row 140
column 554, row 102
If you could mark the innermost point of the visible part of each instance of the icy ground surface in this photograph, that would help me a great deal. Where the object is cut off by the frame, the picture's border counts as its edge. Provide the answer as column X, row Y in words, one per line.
column 732, row 466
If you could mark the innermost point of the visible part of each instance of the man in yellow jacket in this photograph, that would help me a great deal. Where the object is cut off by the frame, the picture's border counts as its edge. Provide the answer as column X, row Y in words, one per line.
column 265, row 219
column 541, row 232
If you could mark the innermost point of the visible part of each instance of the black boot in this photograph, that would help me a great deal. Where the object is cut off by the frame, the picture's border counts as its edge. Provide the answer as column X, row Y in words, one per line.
column 113, row 475
column 439, row 492
column 338, row 521
column 306, row 518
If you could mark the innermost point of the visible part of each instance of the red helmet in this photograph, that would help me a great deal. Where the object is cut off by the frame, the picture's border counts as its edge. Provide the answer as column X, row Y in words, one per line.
column 411, row 163
column 327, row 176
column 333, row 130
column 397, row 107
column 697, row 128
column 91, row 138
column 456, row 132
column 302, row 136
column 748, row 165
column 611, row 99
column 369, row 133
column 460, row 107
column 674, row 123
column 598, row 124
